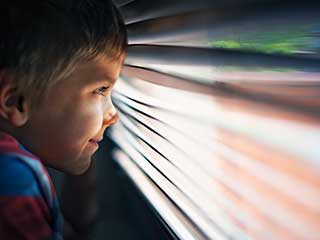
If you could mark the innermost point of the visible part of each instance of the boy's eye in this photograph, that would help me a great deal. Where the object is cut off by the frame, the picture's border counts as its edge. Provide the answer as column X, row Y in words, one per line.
column 101, row 91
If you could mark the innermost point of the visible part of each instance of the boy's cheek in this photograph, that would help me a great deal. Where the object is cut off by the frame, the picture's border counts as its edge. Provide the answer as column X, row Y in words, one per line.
column 89, row 122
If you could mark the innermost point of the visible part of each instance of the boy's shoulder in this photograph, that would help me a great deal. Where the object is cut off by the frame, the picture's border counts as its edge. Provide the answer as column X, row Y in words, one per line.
column 20, row 171
column 24, row 212
column 27, row 197
column 16, row 177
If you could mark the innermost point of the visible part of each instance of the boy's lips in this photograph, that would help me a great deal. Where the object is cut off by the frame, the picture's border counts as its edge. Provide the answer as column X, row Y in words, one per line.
column 96, row 140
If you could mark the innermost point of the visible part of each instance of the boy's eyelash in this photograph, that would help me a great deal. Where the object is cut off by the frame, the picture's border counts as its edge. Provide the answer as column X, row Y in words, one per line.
column 101, row 90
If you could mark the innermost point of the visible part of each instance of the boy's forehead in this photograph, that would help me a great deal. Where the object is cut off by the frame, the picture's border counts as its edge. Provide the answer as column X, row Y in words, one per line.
column 99, row 70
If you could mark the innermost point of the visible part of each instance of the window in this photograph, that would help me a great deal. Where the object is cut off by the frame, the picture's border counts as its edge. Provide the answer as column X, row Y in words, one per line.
column 219, row 107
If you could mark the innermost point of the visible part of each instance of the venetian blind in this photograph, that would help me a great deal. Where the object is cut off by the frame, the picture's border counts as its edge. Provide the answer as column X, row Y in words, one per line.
column 219, row 106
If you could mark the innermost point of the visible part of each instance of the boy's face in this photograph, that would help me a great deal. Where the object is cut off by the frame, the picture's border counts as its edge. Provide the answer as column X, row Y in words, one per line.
column 63, row 131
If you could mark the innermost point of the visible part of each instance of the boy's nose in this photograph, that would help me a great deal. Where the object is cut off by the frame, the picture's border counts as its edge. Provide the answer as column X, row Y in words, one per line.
column 110, row 121
column 114, row 119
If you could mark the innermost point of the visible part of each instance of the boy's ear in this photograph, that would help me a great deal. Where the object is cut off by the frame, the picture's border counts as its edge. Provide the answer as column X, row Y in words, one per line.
column 13, row 107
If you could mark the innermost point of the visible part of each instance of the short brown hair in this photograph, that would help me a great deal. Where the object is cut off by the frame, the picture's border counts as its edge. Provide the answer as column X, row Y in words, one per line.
column 41, row 41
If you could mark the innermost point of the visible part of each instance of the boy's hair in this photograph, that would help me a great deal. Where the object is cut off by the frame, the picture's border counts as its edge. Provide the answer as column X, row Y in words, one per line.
column 41, row 41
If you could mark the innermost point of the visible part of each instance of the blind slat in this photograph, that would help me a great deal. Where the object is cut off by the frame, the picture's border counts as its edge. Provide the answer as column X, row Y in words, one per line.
column 166, row 209
column 219, row 108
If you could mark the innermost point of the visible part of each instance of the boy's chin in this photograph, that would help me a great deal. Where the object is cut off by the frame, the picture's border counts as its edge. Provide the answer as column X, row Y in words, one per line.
column 78, row 171
column 78, row 168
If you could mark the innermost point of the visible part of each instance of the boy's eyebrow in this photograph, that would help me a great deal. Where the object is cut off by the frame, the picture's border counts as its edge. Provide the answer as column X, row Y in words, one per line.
column 111, row 79
column 104, row 79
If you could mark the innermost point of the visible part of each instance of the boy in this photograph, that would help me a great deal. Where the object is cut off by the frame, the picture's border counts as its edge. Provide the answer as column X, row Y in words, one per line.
column 58, row 63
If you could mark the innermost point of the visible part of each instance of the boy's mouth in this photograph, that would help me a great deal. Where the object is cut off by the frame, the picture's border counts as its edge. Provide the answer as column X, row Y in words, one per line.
column 94, row 143
column 95, row 140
